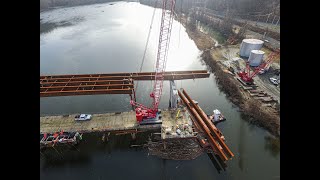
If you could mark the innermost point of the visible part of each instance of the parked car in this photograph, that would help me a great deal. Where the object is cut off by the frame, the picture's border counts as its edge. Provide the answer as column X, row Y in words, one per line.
column 274, row 81
column 82, row 117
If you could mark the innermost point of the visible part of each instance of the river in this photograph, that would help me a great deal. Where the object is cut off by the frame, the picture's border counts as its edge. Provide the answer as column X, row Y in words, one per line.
column 104, row 38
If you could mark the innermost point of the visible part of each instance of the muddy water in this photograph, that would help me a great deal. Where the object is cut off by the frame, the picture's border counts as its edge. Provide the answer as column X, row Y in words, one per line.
column 105, row 38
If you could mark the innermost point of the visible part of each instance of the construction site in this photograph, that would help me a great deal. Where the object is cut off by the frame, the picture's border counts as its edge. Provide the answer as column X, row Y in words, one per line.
column 244, row 62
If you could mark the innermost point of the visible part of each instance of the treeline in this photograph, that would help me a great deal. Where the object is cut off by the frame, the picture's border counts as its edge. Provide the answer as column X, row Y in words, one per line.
column 252, row 7
column 224, row 26
column 45, row 4
column 234, row 7
column 181, row 5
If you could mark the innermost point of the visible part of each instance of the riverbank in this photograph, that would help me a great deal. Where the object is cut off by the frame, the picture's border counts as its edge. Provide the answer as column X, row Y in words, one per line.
column 252, row 109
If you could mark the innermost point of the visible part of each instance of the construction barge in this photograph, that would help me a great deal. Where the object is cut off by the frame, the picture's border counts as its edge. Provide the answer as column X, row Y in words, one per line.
column 185, row 130
column 187, row 122
column 116, row 122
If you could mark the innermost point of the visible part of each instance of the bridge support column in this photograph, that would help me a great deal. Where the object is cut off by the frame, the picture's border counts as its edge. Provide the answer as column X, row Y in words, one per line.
column 174, row 97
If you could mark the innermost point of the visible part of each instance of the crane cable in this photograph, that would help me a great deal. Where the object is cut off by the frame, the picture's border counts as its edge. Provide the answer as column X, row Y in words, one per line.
column 180, row 31
column 180, row 22
column 145, row 49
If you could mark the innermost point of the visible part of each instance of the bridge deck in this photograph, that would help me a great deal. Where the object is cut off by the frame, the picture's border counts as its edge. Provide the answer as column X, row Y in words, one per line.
column 113, row 83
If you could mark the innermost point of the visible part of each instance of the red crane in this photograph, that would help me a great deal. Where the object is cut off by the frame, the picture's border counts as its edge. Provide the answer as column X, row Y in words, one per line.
column 144, row 112
column 246, row 74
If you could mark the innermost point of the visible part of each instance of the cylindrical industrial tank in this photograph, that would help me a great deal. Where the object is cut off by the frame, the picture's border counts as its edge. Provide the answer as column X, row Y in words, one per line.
column 256, row 57
column 248, row 45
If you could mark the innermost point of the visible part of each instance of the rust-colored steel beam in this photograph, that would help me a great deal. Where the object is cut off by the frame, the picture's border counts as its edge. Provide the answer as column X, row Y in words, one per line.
column 113, row 83
column 85, row 92
column 124, row 74
column 77, row 83
column 171, row 75
column 214, row 145
column 197, row 126
column 104, row 86
column 54, row 87
column 134, row 77
column 87, row 78
column 212, row 127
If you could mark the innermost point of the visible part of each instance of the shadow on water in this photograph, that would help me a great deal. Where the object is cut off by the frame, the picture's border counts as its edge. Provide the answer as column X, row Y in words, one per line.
column 241, row 145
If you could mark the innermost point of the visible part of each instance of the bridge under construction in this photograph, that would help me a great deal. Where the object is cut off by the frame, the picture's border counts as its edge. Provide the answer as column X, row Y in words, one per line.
column 112, row 83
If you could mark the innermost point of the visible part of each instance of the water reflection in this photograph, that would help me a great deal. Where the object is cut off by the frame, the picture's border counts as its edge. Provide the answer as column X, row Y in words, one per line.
column 47, row 26
column 60, row 158
column 213, row 33
column 241, row 145
column 50, row 26
column 272, row 144
column 163, row 169
column 217, row 162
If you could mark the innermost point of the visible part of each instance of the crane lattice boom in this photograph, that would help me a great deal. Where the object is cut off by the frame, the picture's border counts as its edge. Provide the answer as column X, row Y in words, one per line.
column 163, row 48
column 247, row 76
column 143, row 112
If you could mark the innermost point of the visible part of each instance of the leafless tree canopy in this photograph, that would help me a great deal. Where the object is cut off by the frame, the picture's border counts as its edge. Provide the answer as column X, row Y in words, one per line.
column 44, row 4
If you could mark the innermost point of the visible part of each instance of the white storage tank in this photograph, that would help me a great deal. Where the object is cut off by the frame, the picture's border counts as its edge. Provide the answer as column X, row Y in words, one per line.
column 248, row 45
column 256, row 57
